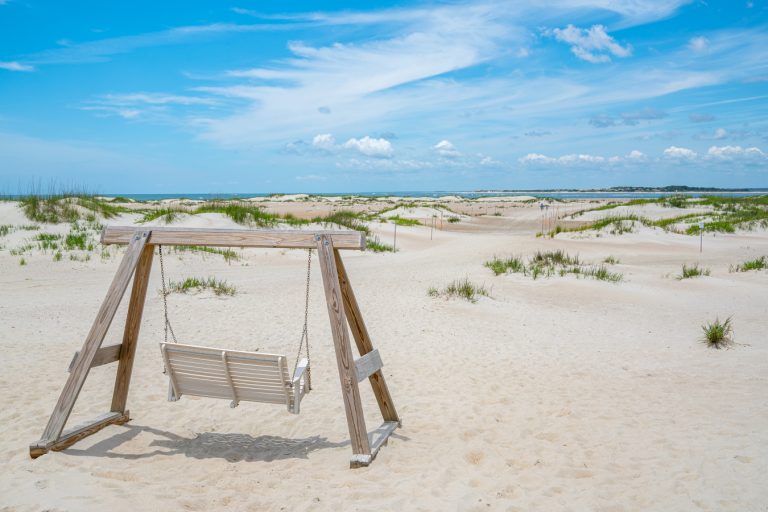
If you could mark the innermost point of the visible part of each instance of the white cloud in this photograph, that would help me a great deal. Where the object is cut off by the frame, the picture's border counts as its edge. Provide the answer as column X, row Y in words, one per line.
column 155, row 99
column 733, row 152
column 446, row 149
column 698, row 44
column 368, row 146
column 591, row 44
column 572, row 159
column 15, row 66
column 679, row 153
column 324, row 141
column 636, row 155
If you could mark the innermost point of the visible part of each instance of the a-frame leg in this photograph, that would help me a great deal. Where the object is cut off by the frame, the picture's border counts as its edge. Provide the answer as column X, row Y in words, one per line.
column 363, row 342
column 132, row 327
column 52, row 438
column 346, row 362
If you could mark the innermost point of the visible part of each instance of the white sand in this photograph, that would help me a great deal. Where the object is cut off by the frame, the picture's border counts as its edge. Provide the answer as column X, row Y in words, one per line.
column 556, row 394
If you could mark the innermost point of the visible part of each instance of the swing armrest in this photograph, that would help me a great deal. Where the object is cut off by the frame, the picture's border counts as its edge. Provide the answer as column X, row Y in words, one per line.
column 301, row 369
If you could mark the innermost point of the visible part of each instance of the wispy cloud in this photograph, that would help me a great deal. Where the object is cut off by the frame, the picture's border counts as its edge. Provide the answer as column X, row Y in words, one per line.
column 591, row 44
column 15, row 66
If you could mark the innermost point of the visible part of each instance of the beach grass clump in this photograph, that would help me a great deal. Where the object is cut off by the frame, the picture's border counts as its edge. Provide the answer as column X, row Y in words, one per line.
column 693, row 271
column 460, row 289
column 550, row 263
column 374, row 244
column 5, row 229
column 58, row 207
column 217, row 286
column 245, row 214
column 718, row 334
column 76, row 240
column 454, row 220
column 611, row 260
column 345, row 218
column 601, row 273
column 512, row 264
column 167, row 214
column 22, row 262
column 755, row 264
column 400, row 221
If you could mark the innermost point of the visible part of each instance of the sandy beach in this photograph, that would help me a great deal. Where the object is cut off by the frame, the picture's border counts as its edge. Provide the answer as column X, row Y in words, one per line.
column 557, row 393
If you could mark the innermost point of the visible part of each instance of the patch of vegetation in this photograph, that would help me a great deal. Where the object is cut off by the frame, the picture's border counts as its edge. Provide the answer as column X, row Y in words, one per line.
column 454, row 220
column 756, row 264
column 693, row 271
column 55, row 208
column 550, row 263
column 345, row 218
column 76, row 240
column 75, row 257
column 167, row 215
column 375, row 245
column 57, row 256
column 246, row 214
column 718, row 334
column 400, row 221
column 22, row 262
column 219, row 287
column 611, row 260
column 512, row 264
column 461, row 289
column 5, row 229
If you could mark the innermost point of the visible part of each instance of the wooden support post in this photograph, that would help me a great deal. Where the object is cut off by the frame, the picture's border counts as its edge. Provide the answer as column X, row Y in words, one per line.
column 93, row 341
column 363, row 342
column 346, row 363
column 132, row 327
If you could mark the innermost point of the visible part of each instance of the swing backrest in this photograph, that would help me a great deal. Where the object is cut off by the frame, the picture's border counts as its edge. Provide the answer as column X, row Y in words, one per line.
column 228, row 374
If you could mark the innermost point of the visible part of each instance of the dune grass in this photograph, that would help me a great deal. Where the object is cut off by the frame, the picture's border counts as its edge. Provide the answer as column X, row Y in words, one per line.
column 611, row 260
column 374, row 244
column 5, row 229
column 756, row 264
column 59, row 206
column 693, row 271
column 550, row 263
column 460, row 289
column 217, row 286
column 400, row 221
column 718, row 334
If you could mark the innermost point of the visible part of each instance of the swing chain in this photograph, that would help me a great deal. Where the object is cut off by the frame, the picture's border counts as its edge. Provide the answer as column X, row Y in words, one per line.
column 168, row 326
column 305, row 332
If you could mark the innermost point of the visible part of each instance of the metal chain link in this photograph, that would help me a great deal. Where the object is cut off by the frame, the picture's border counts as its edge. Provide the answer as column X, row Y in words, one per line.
column 168, row 326
column 305, row 331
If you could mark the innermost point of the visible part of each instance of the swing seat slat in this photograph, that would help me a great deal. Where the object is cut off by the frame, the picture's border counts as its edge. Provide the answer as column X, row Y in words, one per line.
column 235, row 375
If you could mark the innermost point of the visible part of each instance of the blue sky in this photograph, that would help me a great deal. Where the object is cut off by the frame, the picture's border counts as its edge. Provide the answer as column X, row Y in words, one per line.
column 163, row 97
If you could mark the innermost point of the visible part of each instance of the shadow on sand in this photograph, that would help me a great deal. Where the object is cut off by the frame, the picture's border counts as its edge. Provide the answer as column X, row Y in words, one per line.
column 209, row 445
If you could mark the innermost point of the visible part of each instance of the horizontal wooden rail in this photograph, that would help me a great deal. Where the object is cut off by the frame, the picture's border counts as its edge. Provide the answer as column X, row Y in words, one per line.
column 367, row 365
column 104, row 355
column 285, row 238
column 73, row 435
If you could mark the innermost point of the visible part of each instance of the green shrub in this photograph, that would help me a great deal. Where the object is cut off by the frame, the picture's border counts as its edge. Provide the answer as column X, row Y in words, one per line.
column 718, row 334
column 693, row 271
column 756, row 264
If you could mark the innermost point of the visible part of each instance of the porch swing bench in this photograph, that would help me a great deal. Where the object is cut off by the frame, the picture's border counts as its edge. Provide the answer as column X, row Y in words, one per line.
column 230, row 374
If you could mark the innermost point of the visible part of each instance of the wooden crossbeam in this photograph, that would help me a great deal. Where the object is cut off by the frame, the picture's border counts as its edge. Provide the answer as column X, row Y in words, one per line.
column 377, row 439
column 104, row 355
column 76, row 433
column 367, row 365
column 286, row 238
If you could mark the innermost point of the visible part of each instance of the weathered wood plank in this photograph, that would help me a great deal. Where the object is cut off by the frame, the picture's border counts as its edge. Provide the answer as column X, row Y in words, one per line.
column 104, row 355
column 73, row 435
column 377, row 438
column 94, row 339
column 132, row 328
column 344, row 358
column 289, row 239
column 368, row 364
column 363, row 342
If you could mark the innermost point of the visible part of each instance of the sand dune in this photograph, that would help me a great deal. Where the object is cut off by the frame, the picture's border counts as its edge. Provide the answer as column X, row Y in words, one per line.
column 553, row 394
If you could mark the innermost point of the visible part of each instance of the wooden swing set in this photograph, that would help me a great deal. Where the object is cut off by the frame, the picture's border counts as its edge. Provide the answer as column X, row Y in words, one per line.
column 220, row 373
